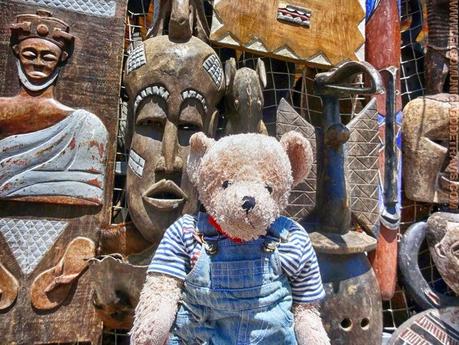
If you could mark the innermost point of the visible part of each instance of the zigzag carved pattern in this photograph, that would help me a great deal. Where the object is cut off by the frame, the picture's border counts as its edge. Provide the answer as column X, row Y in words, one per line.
column 362, row 166
column 302, row 198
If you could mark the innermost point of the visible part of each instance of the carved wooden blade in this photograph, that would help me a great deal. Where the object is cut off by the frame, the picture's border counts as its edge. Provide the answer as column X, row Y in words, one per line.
column 361, row 165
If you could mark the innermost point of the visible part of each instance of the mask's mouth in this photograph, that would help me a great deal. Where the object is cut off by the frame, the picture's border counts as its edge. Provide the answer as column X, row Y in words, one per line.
column 165, row 195
column 38, row 74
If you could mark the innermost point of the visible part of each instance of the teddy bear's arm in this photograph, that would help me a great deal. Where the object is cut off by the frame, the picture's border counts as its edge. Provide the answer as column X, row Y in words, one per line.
column 308, row 325
column 156, row 310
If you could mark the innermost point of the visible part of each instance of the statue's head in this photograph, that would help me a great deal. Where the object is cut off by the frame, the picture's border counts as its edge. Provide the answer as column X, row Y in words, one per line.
column 173, row 90
column 41, row 43
column 443, row 239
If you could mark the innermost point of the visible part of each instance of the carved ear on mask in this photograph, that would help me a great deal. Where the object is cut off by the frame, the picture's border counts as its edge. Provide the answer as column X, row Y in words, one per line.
column 230, row 72
column 199, row 145
column 15, row 49
column 261, row 71
column 299, row 152
column 64, row 56
column 213, row 123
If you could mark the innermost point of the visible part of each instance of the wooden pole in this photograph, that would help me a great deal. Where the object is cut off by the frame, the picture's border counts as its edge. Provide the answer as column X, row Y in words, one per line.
column 382, row 50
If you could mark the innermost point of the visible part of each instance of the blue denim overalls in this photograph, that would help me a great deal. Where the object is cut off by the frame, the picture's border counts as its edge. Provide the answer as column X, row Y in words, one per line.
column 236, row 294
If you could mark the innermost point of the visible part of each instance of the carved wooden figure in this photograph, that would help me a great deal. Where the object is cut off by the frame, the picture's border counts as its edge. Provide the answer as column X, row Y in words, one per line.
column 322, row 33
column 193, row 9
column 49, row 152
column 352, row 311
column 57, row 129
column 431, row 165
column 361, row 166
column 443, row 241
column 174, row 83
column 244, row 98
column 173, row 88
column 439, row 47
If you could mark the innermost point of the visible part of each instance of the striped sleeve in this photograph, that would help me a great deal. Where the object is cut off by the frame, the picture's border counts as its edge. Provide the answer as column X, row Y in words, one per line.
column 299, row 262
column 171, row 257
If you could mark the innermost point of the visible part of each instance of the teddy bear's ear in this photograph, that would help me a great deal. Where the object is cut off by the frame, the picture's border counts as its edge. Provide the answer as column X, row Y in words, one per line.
column 199, row 144
column 299, row 152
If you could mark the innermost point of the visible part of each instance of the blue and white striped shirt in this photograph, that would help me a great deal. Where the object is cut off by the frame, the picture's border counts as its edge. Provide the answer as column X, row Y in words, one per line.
column 179, row 249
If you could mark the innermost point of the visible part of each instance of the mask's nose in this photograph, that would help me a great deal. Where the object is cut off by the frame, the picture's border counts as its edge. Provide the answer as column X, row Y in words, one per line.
column 249, row 203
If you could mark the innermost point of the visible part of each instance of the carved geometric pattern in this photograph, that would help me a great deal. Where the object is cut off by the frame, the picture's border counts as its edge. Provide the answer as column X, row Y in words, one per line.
column 362, row 167
column 429, row 328
column 213, row 66
column 100, row 8
column 302, row 197
column 136, row 162
column 136, row 59
column 30, row 239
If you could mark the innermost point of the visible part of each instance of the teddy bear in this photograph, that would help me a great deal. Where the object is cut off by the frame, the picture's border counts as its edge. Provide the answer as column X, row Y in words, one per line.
column 237, row 272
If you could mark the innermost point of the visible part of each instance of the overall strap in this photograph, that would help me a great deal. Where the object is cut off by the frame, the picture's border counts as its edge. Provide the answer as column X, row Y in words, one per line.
column 208, row 234
column 278, row 232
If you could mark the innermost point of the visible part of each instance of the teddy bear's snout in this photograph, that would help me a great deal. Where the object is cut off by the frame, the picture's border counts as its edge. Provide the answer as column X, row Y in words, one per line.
column 248, row 203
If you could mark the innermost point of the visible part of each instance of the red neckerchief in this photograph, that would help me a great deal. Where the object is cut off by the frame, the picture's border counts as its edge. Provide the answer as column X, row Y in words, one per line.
column 217, row 227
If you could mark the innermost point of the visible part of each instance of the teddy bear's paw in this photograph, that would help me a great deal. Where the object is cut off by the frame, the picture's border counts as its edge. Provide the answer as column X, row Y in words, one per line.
column 156, row 310
column 308, row 326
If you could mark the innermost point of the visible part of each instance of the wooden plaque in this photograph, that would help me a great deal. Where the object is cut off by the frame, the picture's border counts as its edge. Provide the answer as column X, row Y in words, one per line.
column 57, row 144
column 315, row 32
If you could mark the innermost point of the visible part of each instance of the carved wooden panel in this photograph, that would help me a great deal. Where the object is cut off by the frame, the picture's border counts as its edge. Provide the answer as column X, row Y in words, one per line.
column 316, row 32
column 60, row 67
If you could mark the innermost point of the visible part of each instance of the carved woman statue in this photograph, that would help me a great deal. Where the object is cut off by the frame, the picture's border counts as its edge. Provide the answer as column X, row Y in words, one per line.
column 49, row 152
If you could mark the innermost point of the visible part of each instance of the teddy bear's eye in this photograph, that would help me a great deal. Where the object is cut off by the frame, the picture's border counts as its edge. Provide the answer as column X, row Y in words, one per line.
column 226, row 184
column 269, row 188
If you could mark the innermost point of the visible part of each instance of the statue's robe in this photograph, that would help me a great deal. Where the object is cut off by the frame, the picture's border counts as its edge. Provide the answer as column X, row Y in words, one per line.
column 62, row 162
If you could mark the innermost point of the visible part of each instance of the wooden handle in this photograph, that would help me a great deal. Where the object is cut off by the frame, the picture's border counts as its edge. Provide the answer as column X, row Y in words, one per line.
column 384, row 262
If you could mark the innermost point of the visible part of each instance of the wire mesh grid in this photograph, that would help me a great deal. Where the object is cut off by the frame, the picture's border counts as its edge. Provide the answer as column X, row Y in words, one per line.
column 295, row 83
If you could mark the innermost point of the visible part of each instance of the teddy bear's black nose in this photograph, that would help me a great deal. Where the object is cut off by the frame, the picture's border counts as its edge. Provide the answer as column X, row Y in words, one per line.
column 249, row 203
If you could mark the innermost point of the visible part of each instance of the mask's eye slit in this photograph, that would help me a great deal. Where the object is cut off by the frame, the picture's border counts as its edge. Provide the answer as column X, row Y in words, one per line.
column 269, row 188
column 226, row 184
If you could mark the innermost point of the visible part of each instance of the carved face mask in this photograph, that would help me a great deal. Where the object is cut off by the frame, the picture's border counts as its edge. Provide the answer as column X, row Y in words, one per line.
column 443, row 240
column 173, row 90
column 430, row 171
column 39, row 58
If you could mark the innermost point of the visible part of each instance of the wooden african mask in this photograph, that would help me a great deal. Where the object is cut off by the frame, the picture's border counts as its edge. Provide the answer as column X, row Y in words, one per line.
column 173, row 89
column 57, row 134
column 431, row 171
column 322, row 33
column 443, row 239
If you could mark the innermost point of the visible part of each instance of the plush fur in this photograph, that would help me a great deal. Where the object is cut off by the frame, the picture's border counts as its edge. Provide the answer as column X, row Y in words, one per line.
column 156, row 310
column 226, row 172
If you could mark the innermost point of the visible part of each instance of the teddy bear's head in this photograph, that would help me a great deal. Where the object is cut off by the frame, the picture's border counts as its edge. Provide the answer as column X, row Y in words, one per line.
column 244, row 180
